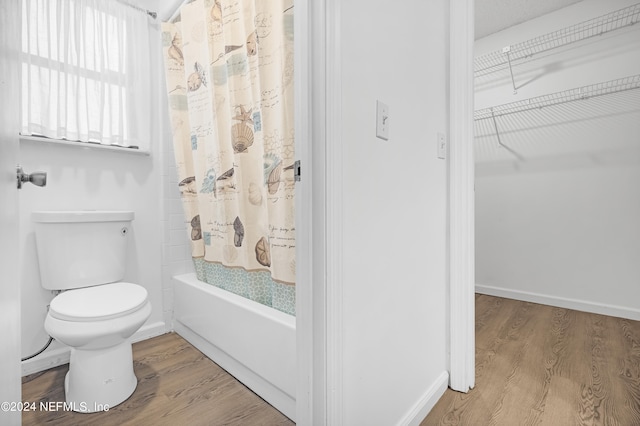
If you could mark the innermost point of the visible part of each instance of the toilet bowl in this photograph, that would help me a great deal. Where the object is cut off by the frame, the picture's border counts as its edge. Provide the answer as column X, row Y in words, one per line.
column 96, row 322
column 83, row 255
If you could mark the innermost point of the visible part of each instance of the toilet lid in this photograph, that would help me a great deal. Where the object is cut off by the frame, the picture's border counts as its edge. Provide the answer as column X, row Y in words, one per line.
column 98, row 303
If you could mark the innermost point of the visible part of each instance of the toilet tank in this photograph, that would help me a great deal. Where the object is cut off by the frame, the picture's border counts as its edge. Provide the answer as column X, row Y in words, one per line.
column 81, row 248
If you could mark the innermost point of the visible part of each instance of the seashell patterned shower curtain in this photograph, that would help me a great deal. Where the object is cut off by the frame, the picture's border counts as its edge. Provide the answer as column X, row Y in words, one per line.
column 229, row 74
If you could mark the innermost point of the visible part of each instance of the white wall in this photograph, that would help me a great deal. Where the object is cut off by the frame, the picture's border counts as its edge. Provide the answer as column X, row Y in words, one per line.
column 395, row 196
column 84, row 178
column 176, row 244
column 561, row 227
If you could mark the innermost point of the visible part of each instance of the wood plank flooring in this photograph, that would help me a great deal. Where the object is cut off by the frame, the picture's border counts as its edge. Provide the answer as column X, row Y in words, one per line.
column 540, row 365
column 177, row 385
column 535, row 365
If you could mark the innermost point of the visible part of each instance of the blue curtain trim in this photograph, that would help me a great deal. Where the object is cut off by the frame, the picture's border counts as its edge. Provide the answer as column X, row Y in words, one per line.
column 254, row 285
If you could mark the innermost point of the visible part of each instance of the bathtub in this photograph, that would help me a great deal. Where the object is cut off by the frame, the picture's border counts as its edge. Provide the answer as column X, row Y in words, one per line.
column 254, row 343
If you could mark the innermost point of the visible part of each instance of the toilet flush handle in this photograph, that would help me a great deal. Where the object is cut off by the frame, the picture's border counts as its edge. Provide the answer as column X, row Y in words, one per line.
column 37, row 178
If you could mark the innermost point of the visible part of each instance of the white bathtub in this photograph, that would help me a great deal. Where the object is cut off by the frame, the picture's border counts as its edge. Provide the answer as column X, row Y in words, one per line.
column 254, row 343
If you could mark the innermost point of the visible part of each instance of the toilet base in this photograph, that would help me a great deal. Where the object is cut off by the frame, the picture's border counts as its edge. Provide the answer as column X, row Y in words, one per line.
column 99, row 379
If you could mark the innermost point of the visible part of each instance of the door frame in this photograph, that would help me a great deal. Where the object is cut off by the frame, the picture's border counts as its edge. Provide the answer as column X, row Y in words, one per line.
column 461, row 198
column 10, row 369
column 318, row 213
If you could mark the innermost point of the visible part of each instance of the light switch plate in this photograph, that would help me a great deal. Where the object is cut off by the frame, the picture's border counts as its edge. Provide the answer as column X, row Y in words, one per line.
column 382, row 120
column 442, row 146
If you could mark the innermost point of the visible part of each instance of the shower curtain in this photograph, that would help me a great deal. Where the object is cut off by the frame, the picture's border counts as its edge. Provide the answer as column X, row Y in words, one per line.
column 229, row 74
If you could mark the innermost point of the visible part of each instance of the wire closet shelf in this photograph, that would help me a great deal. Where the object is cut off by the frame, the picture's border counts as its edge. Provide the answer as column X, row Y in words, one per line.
column 578, row 93
column 502, row 59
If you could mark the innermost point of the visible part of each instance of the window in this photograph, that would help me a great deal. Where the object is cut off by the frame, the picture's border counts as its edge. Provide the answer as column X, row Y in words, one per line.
column 85, row 71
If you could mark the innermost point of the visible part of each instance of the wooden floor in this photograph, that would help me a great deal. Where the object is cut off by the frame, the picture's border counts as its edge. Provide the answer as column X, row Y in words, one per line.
column 539, row 365
column 177, row 385
column 535, row 365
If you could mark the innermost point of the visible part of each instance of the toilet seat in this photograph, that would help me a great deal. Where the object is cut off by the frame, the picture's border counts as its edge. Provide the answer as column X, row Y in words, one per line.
column 98, row 303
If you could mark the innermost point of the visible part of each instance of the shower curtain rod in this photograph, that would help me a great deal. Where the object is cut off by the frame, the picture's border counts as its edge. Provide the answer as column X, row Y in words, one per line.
column 176, row 12
column 576, row 94
column 154, row 15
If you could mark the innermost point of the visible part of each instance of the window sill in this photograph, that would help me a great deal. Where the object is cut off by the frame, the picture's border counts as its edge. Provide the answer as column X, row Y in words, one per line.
column 84, row 145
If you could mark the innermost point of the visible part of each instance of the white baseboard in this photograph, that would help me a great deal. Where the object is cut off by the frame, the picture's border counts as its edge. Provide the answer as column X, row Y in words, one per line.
column 46, row 360
column 561, row 302
column 424, row 405
column 58, row 356
column 148, row 331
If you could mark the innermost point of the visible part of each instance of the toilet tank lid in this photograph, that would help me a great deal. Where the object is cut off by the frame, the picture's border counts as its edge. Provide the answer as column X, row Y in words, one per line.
column 81, row 216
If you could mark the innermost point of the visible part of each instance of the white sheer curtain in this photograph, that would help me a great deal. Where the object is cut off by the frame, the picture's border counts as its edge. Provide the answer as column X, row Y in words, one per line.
column 85, row 71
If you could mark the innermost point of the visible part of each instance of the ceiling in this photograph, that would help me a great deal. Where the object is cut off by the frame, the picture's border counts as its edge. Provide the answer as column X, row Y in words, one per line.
column 496, row 15
column 491, row 15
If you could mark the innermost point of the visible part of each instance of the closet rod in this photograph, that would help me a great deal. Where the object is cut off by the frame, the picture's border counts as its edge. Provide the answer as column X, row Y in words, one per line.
column 579, row 93
column 497, row 60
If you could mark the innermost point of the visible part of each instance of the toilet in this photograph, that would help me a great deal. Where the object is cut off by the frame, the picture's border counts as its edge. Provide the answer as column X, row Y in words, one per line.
column 83, row 254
